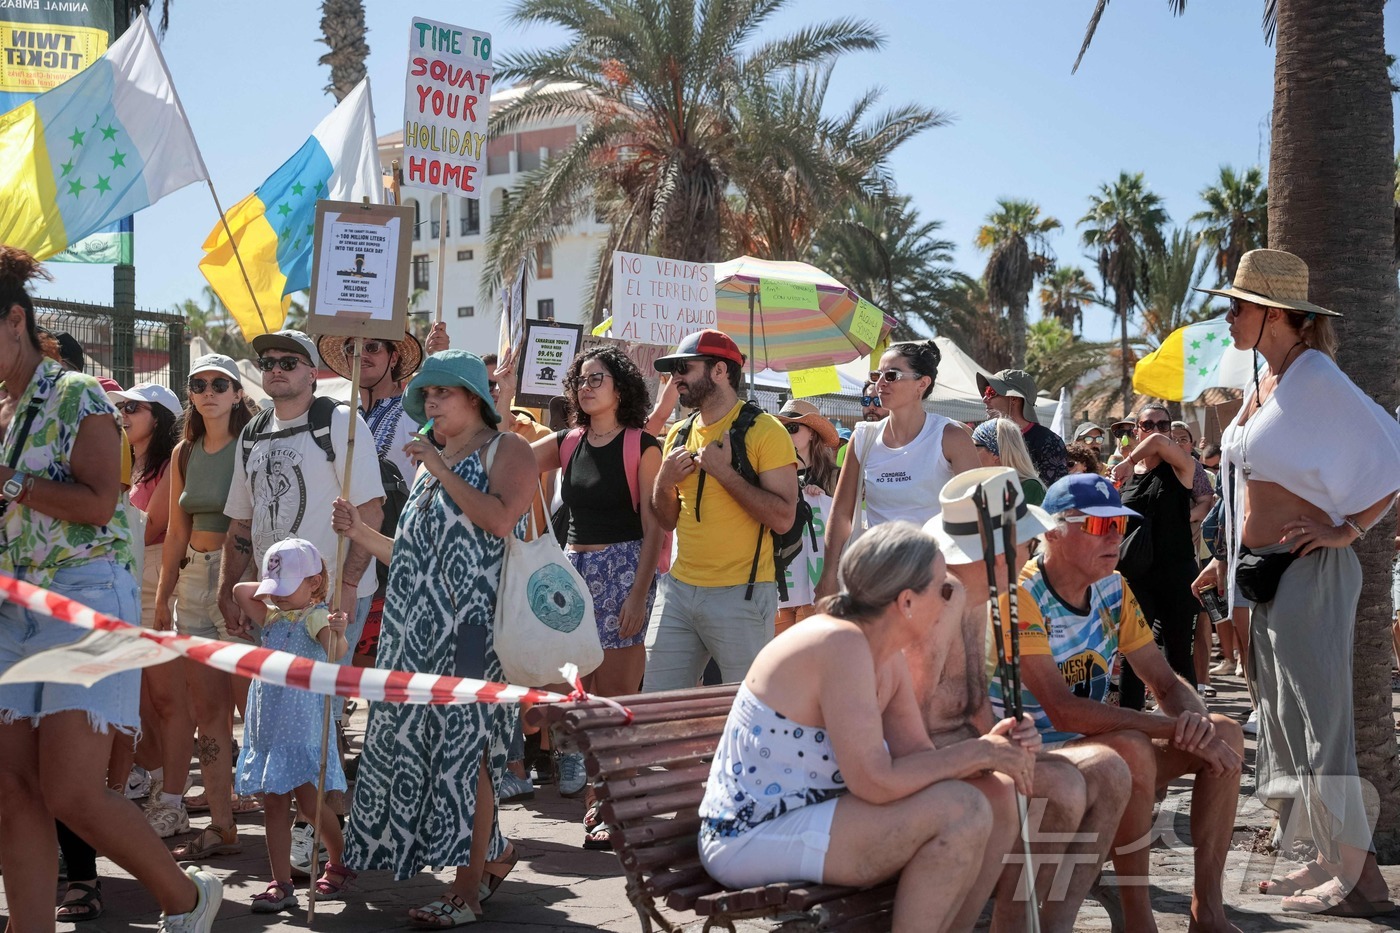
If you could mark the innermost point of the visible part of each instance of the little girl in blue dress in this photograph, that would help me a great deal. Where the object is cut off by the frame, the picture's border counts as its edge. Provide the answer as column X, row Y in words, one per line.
column 281, row 753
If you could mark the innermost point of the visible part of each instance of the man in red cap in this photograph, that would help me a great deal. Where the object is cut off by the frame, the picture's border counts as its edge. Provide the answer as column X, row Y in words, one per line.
column 721, row 597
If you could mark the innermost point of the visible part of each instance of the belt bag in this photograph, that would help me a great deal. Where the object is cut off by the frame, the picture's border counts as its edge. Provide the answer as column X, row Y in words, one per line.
column 1257, row 576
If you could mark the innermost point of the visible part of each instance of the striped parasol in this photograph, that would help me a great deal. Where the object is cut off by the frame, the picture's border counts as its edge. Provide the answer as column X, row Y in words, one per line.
column 790, row 315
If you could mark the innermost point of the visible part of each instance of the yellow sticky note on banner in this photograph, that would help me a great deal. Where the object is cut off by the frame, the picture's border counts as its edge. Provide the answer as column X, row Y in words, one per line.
column 775, row 293
column 821, row 380
column 865, row 326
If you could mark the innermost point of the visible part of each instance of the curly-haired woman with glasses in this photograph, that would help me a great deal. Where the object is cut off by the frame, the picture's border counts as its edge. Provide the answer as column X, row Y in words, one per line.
column 607, row 462
column 901, row 462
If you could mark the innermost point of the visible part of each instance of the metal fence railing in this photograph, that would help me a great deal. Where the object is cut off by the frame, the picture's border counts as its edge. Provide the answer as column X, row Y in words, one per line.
column 131, row 347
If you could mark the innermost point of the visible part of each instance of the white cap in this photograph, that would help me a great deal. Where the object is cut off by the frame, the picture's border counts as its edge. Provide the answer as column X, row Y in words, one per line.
column 286, row 564
column 217, row 363
column 153, row 394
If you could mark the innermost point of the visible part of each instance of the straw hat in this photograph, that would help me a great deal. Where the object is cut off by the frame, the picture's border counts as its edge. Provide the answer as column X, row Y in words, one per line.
column 1273, row 278
column 956, row 528
column 333, row 355
column 796, row 411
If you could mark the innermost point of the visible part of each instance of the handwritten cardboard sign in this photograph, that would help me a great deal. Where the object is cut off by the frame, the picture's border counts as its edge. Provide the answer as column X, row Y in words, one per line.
column 865, row 326
column 447, row 100
column 660, row 301
column 777, row 293
column 821, row 380
column 359, row 278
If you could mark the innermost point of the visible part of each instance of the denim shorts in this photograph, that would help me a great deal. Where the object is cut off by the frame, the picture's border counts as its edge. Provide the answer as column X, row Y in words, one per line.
column 113, row 701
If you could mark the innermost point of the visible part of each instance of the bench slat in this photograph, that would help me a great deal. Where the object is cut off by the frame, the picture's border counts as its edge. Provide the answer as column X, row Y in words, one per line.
column 633, row 735
column 685, row 898
column 651, row 832
column 660, row 855
column 622, row 788
column 661, row 885
column 685, row 800
column 661, row 753
column 723, row 902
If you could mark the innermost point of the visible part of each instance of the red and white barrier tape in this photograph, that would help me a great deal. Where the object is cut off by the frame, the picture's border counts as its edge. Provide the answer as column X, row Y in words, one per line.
column 280, row 667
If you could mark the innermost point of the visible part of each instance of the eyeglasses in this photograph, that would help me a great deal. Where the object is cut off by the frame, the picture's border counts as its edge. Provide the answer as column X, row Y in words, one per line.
column 592, row 380
column 890, row 375
column 130, row 408
column 1163, row 426
column 372, row 346
column 219, row 384
column 869, row 401
column 1100, row 525
column 287, row 363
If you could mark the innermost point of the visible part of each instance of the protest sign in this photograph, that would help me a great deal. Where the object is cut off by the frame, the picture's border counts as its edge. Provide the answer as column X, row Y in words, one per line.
column 359, row 279
column 660, row 301
column 549, row 349
column 866, row 324
column 805, row 571
column 781, row 293
column 820, row 380
column 447, row 100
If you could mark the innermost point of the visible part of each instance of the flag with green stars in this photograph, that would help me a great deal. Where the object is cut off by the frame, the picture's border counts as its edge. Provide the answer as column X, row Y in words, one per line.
column 1191, row 360
column 273, row 228
column 94, row 150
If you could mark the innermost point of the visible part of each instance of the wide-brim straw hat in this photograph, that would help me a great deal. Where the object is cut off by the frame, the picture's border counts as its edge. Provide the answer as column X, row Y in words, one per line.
column 956, row 529
column 333, row 355
column 1273, row 278
column 797, row 411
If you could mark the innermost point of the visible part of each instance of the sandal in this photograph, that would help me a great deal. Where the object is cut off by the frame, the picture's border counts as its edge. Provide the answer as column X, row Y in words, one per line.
column 1328, row 900
column 1311, row 875
column 247, row 803
column 199, row 803
column 224, row 842
column 593, row 816
column 448, row 911
column 491, row 880
column 87, row 906
column 279, row 896
column 331, row 888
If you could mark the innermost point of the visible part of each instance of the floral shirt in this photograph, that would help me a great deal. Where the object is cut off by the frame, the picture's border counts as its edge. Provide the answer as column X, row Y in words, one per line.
column 33, row 539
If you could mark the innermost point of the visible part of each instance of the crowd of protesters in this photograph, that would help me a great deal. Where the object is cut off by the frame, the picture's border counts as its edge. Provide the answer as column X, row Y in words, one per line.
column 216, row 520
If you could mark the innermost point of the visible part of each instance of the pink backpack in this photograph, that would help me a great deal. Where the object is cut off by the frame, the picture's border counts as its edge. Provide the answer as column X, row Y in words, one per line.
column 631, row 464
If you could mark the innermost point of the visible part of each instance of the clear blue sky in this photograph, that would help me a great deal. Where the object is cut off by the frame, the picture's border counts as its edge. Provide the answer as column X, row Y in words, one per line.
column 1172, row 97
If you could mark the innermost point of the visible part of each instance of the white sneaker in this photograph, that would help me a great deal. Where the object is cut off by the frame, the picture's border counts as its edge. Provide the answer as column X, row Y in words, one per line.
column 1223, row 669
column 1251, row 725
column 302, row 837
column 168, row 821
column 1239, row 668
column 138, row 783
column 201, row 919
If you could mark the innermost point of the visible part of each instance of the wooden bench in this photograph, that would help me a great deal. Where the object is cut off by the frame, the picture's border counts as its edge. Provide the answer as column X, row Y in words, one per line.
column 650, row 776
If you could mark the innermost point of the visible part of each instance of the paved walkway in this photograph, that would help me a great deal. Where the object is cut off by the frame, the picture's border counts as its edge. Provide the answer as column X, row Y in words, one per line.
column 558, row 886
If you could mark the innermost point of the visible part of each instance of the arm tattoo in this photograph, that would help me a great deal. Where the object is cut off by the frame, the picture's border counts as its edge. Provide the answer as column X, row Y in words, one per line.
column 242, row 545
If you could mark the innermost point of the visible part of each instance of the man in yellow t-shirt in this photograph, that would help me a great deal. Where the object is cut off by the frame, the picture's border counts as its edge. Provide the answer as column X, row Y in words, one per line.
column 721, row 597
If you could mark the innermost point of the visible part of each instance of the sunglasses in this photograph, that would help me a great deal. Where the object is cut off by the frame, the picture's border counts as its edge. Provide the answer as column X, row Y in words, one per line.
column 793, row 428
column 371, row 346
column 683, row 369
column 1236, row 308
column 1163, row 426
column 130, row 408
column 1099, row 525
column 1089, row 439
column 870, row 401
column 219, row 384
column 287, row 363
column 491, row 384
column 890, row 375
column 592, row 380
column 988, row 394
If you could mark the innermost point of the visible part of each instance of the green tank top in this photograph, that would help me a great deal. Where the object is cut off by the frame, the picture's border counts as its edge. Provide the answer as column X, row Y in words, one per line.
column 207, row 479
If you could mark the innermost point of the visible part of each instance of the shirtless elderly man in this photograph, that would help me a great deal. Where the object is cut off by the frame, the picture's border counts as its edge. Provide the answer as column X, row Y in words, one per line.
column 1079, row 792
column 1076, row 614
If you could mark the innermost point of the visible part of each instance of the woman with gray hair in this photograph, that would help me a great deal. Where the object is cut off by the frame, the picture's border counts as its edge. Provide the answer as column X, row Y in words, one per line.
column 825, row 772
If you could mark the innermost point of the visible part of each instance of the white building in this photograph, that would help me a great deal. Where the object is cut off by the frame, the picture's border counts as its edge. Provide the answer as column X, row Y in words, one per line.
column 557, row 288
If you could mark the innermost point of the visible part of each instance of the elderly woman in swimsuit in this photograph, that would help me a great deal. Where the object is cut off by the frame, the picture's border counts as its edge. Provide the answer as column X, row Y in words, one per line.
column 825, row 772
column 1299, row 509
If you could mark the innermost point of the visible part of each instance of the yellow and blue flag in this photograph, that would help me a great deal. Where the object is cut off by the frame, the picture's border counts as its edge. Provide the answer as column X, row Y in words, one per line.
column 274, row 226
column 99, row 147
column 1192, row 359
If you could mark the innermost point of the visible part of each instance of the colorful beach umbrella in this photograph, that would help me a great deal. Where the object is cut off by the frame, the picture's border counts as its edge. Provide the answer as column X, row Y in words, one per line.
column 793, row 316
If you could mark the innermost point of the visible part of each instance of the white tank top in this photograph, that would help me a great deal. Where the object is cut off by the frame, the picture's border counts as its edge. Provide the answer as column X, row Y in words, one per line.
column 902, row 482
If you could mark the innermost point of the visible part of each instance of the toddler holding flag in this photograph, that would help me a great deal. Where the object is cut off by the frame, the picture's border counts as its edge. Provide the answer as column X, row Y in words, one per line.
column 281, row 754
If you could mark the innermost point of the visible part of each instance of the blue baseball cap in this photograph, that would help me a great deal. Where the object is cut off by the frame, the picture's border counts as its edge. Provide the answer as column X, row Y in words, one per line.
column 450, row 368
column 1085, row 492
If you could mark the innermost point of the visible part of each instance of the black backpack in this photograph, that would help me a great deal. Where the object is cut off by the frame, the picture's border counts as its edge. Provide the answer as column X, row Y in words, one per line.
column 786, row 545
column 318, row 422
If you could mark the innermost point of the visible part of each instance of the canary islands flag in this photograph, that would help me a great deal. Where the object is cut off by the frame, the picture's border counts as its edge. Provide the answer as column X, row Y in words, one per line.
column 273, row 226
column 1192, row 359
column 102, row 145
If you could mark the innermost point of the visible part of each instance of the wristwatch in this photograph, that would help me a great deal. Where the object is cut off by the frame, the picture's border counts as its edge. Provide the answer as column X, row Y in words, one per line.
column 13, row 487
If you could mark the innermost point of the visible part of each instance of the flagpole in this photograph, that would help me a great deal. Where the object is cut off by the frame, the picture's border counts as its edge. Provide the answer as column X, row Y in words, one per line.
column 234, row 243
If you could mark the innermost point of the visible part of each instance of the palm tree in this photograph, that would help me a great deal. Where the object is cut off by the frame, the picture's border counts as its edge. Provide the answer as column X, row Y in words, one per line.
column 793, row 162
column 658, row 82
column 886, row 254
column 343, row 31
column 1124, row 225
column 1235, row 218
column 1173, row 272
column 1046, row 340
column 971, row 321
column 208, row 318
column 1064, row 294
column 1015, row 236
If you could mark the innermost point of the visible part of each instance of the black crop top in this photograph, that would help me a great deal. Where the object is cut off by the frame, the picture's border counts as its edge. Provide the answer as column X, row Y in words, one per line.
column 595, row 489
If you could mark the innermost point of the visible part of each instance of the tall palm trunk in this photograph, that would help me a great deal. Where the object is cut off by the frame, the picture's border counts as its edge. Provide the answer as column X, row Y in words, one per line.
column 343, row 29
column 1331, row 191
column 1016, row 319
column 1121, row 303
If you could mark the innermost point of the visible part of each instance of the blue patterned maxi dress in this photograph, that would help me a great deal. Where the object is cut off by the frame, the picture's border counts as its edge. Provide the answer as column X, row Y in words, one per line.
column 415, row 795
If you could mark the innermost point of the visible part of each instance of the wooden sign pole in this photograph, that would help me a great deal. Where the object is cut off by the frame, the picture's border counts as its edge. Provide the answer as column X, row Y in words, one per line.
column 442, row 260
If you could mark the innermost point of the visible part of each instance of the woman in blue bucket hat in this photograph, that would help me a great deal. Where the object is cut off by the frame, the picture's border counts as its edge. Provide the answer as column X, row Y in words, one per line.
column 438, row 613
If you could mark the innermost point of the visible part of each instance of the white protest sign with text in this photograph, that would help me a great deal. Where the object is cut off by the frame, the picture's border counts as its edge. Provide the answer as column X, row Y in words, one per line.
column 447, row 100
column 660, row 301
column 806, row 568
column 359, row 277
